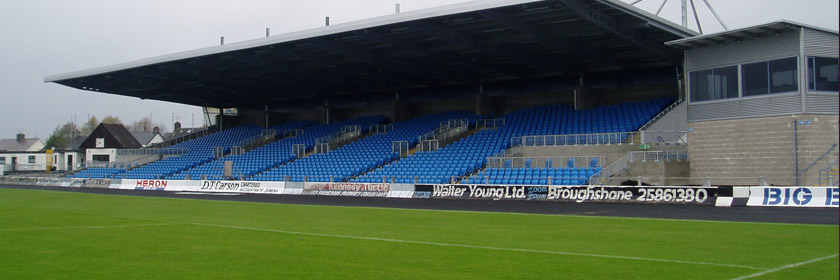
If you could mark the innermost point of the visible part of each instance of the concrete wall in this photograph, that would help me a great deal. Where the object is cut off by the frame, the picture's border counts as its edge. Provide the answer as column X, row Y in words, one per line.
column 612, row 153
column 738, row 152
column 661, row 173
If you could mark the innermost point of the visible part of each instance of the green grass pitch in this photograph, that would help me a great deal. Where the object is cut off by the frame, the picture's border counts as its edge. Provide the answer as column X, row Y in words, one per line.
column 63, row 235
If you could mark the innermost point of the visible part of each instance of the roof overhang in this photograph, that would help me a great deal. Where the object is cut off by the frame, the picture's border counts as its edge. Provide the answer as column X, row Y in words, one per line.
column 455, row 45
column 740, row 34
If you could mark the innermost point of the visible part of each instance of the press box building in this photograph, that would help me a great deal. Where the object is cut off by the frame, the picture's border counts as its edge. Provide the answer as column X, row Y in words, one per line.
column 762, row 102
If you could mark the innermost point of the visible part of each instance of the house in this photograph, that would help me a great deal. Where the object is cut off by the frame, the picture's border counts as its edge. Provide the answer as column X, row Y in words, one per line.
column 147, row 138
column 22, row 154
column 102, row 144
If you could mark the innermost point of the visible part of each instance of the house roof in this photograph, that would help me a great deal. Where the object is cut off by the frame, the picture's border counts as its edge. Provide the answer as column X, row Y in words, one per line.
column 144, row 137
column 76, row 142
column 122, row 135
column 182, row 132
column 116, row 135
column 12, row 145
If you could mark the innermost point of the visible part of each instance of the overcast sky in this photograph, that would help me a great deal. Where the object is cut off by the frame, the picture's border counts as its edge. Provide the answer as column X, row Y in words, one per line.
column 45, row 37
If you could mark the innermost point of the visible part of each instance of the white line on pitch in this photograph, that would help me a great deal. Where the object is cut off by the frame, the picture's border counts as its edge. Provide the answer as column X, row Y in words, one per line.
column 784, row 267
column 478, row 246
column 84, row 227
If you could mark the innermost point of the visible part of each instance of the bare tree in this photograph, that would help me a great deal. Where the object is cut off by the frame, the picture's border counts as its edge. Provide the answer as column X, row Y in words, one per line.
column 111, row 120
column 89, row 126
column 144, row 124
column 61, row 136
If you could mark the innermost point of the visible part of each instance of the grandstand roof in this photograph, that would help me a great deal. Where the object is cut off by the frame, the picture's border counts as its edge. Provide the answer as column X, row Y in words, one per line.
column 741, row 34
column 455, row 45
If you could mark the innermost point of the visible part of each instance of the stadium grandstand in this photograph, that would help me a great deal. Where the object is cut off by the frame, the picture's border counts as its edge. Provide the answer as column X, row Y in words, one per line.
column 503, row 92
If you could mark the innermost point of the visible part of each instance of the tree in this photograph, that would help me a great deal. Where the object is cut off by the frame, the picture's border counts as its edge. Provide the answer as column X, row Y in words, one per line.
column 144, row 124
column 111, row 120
column 61, row 136
column 89, row 126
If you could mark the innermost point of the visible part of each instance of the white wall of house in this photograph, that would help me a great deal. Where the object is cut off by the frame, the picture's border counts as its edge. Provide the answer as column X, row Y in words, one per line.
column 38, row 146
column 157, row 139
column 25, row 161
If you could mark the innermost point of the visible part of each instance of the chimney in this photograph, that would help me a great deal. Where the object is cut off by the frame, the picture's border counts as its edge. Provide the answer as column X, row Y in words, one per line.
column 177, row 126
column 156, row 129
column 21, row 138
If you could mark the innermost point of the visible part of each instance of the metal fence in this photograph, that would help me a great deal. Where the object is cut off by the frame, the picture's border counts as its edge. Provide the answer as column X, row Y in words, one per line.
column 198, row 134
column 292, row 132
column 829, row 176
column 545, row 162
column 400, row 147
column 347, row 132
column 491, row 123
column 664, row 137
column 610, row 138
column 623, row 164
column 611, row 170
column 575, row 139
column 265, row 137
column 447, row 130
column 657, row 156
column 381, row 128
column 151, row 151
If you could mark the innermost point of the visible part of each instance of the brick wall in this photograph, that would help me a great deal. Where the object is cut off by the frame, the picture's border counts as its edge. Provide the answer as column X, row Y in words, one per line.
column 738, row 152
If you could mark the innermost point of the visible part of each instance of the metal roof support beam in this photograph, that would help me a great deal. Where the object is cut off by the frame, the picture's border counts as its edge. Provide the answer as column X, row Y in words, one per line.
column 499, row 51
column 357, row 82
column 521, row 27
column 211, row 82
column 214, row 80
column 398, row 72
column 608, row 23
column 132, row 86
column 291, row 77
column 254, row 62
column 469, row 65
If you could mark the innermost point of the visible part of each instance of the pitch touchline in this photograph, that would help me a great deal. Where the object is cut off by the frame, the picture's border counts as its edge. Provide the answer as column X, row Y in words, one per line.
column 476, row 246
column 85, row 227
column 784, row 267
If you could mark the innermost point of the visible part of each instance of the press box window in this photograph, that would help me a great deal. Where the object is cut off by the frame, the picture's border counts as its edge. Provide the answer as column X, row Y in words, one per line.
column 775, row 76
column 712, row 84
column 823, row 74
column 105, row 158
